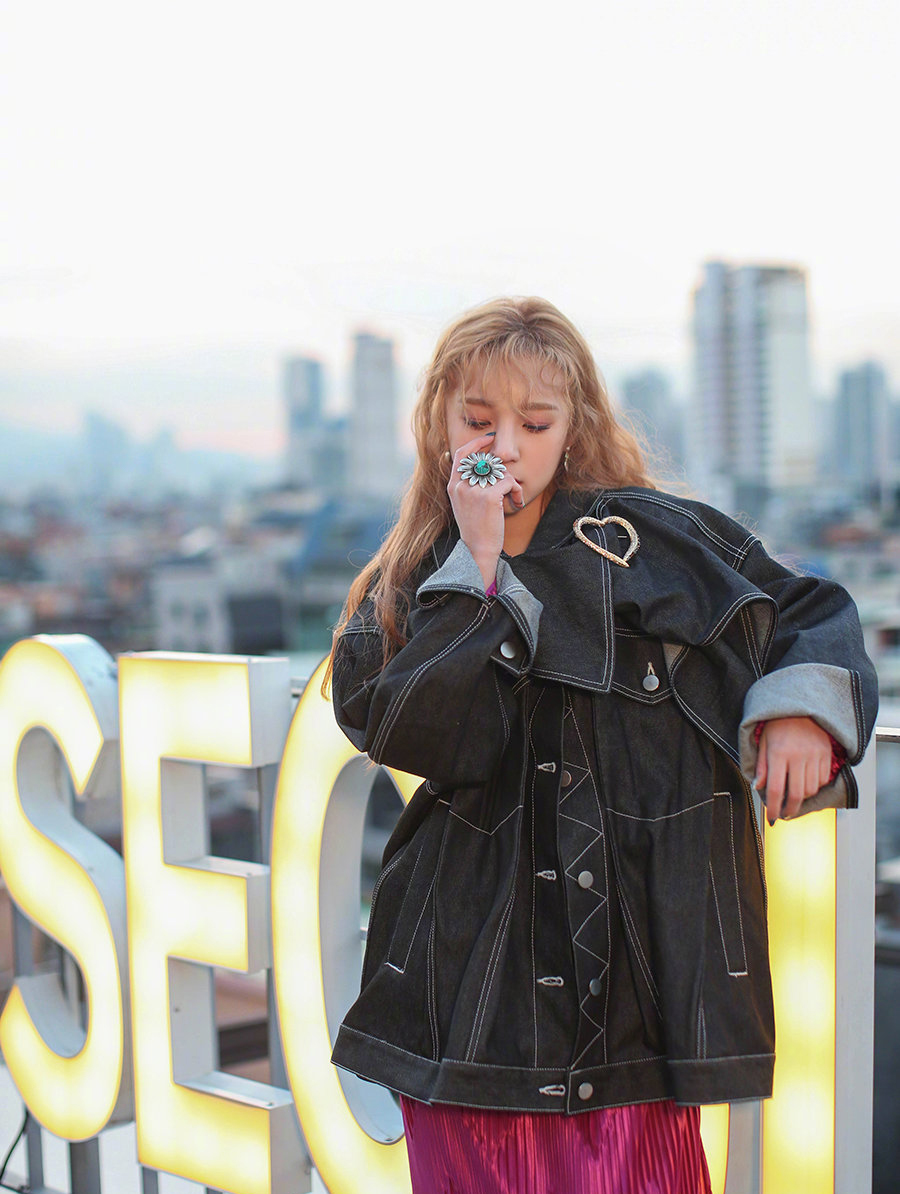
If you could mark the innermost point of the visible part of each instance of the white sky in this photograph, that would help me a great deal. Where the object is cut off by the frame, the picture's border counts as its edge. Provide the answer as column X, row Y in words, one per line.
column 191, row 190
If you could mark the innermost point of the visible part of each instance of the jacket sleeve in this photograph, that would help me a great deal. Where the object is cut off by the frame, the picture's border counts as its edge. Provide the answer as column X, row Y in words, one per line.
column 442, row 706
column 816, row 665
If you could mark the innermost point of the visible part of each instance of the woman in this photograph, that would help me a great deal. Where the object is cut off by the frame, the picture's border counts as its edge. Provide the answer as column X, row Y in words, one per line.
column 567, row 948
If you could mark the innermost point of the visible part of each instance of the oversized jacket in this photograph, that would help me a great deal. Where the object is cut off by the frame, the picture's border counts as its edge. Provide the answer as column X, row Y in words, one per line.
column 572, row 909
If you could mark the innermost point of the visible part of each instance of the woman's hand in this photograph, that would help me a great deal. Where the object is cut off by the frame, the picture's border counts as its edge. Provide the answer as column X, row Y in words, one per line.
column 479, row 511
column 794, row 761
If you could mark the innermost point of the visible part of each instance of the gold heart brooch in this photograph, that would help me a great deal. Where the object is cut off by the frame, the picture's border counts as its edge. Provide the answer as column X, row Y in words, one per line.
column 586, row 520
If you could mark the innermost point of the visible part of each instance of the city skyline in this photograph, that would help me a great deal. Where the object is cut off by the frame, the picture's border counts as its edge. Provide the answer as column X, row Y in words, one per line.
column 190, row 194
column 229, row 397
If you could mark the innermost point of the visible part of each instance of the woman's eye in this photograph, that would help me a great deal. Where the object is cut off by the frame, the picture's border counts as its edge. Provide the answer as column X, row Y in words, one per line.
column 480, row 424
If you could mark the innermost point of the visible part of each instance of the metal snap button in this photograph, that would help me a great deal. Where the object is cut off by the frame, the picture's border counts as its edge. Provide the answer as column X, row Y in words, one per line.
column 650, row 682
column 508, row 649
column 565, row 778
column 585, row 1090
column 595, row 986
column 585, row 879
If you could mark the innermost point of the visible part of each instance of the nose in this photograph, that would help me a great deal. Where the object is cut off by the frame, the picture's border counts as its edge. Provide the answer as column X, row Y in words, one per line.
column 506, row 442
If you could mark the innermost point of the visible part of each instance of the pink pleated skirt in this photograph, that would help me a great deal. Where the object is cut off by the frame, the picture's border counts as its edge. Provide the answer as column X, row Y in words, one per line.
column 646, row 1148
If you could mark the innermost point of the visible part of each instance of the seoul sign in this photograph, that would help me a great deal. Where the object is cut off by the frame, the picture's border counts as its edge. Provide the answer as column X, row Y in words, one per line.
column 145, row 928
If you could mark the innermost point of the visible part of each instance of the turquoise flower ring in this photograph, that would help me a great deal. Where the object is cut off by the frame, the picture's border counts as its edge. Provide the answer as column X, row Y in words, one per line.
column 481, row 468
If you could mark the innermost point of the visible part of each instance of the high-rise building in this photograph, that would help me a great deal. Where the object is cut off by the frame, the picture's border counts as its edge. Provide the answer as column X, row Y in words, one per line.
column 862, row 456
column 752, row 427
column 374, row 460
column 303, row 393
column 108, row 451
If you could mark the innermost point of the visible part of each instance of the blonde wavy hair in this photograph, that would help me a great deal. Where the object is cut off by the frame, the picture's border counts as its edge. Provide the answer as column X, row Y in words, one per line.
column 500, row 333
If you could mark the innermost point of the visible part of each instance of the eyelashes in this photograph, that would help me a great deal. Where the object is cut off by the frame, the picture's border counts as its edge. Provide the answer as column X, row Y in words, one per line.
column 478, row 424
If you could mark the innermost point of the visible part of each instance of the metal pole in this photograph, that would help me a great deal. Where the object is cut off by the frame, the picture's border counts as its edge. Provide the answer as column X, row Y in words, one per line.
column 84, row 1166
column 855, row 985
column 149, row 1181
column 23, row 964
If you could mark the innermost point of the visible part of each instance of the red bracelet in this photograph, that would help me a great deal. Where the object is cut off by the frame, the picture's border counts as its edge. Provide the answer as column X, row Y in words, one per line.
column 838, row 752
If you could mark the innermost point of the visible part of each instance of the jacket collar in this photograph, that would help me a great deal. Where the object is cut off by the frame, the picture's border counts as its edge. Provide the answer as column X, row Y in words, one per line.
column 676, row 588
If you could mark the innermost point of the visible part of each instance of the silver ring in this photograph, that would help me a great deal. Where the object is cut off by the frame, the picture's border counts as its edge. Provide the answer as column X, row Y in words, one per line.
column 481, row 468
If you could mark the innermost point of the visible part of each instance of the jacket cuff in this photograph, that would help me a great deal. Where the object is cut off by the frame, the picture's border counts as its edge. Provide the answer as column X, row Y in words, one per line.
column 458, row 574
column 525, row 610
column 827, row 694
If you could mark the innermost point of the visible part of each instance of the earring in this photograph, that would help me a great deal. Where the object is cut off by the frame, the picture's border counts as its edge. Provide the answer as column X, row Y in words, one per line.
column 566, row 460
column 447, row 455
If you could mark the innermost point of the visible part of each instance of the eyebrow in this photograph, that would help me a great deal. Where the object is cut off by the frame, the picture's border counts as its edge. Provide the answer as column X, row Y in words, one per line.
column 472, row 400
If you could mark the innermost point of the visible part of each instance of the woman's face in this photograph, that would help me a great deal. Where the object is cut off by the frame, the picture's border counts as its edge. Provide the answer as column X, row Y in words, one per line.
column 527, row 408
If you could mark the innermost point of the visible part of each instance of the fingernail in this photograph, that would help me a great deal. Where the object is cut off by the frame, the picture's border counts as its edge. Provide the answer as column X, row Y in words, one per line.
column 771, row 822
column 490, row 434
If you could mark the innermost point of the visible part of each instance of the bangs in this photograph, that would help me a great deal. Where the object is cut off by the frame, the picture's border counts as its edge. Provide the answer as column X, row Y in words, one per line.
column 511, row 368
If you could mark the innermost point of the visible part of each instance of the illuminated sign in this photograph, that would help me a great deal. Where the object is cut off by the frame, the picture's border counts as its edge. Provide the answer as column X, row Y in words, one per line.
column 798, row 1121
column 62, row 716
column 353, row 1127
column 188, row 911
column 59, row 725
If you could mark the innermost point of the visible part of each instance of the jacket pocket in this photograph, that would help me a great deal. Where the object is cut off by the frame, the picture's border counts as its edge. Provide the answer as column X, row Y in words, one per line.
column 724, row 885
column 412, row 882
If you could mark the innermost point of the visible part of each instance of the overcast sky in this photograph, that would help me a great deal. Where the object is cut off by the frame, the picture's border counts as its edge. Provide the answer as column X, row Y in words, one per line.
column 190, row 190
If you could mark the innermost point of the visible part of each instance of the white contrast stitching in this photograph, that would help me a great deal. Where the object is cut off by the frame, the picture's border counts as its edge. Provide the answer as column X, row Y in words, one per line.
column 486, row 832
column 547, row 1069
column 533, row 860
column 390, row 720
column 737, row 890
column 751, row 642
column 502, row 710
column 603, row 898
column 481, row 1010
column 642, row 497
column 733, row 973
column 666, row 816
column 418, row 922
column 432, row 1008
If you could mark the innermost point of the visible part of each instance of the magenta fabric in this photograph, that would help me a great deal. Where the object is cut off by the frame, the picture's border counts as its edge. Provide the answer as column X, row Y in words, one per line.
column 492, row 590
column 647, row 1148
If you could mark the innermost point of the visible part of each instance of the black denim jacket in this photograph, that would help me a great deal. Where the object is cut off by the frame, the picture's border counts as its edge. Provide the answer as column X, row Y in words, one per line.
column 571, row 913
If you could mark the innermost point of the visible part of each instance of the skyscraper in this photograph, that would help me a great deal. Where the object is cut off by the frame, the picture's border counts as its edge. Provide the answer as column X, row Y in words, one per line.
column 752, row 427
column 303, row 393
column 862, row 431
column 374, row 468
